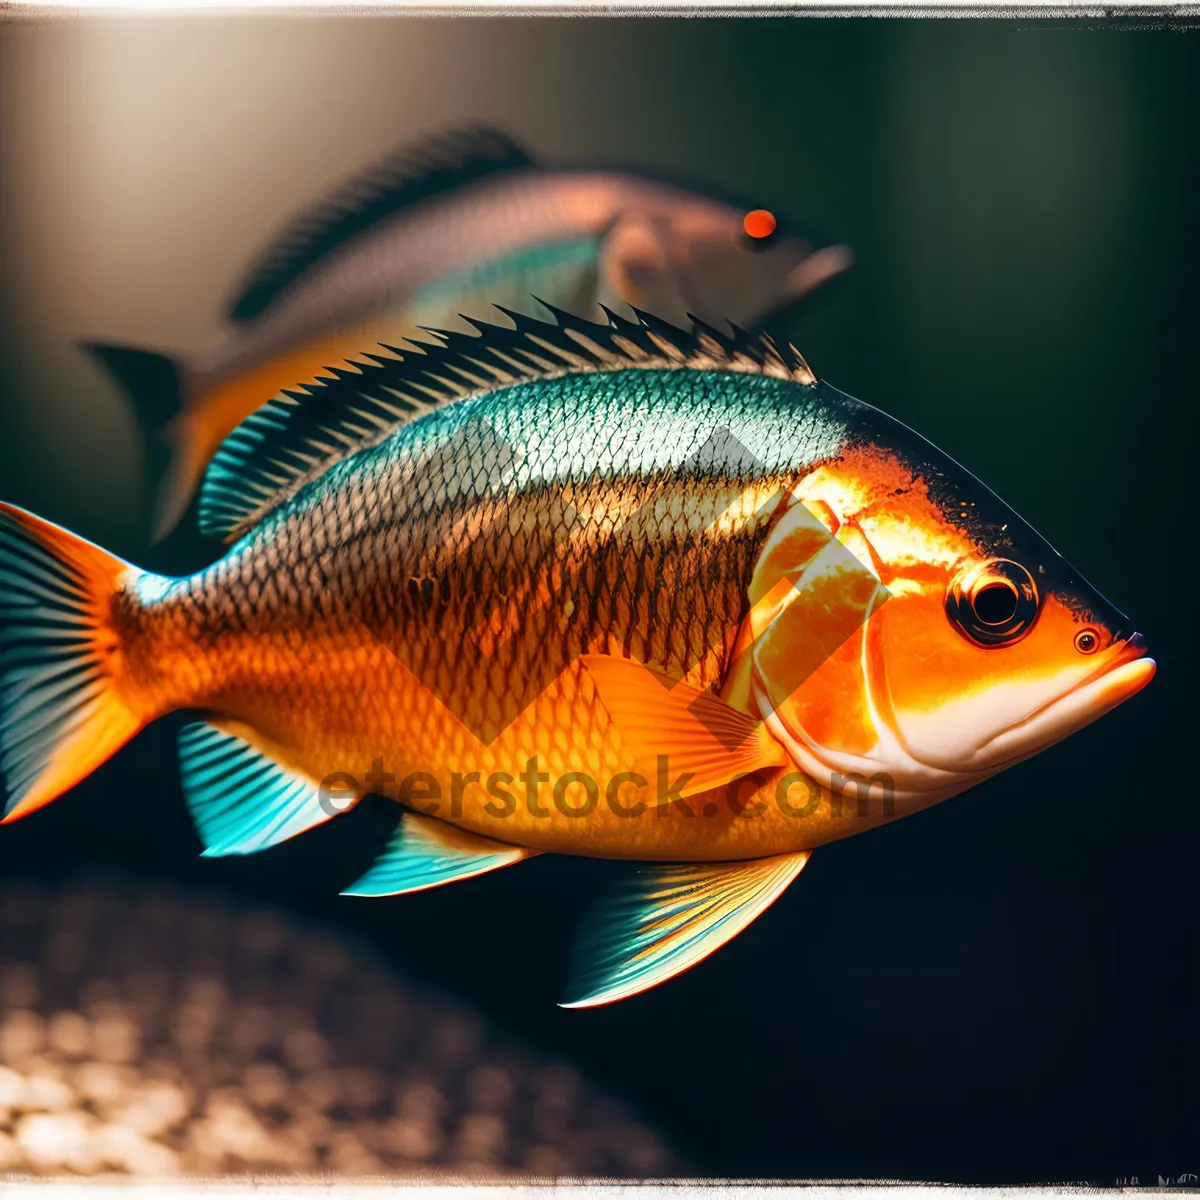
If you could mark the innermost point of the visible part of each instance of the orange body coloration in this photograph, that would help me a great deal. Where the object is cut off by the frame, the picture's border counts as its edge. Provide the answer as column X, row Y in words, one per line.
column 330, row 697
column 906, row 677
column 568, row 610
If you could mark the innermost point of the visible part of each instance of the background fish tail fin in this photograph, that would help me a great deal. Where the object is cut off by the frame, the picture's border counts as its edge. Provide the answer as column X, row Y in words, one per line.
column 64, row 707
column 176, row 483
column 154, row 384
column 153, row 381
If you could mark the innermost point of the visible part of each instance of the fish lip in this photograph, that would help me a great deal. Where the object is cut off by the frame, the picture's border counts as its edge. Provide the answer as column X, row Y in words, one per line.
column 815, row 269
column 1134, row 648
column 1124, row 676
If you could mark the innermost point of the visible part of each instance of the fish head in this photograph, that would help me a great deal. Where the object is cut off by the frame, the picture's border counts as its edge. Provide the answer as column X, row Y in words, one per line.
column 691, row 256
column 907, row 622
column 724, row 273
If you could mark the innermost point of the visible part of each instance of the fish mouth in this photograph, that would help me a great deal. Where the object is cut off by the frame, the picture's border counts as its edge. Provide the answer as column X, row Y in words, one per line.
column 918, row 783
column 815, row 269
column 1100, row 692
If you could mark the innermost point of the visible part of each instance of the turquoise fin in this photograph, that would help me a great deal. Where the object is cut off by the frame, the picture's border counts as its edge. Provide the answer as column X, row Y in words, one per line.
column 241, row 799
column 426, row 853
column 669, row 918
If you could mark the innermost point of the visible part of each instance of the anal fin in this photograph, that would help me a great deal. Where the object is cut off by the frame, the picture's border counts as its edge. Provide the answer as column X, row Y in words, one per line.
column 669, row 918
column 425, row 853
column 241, row 798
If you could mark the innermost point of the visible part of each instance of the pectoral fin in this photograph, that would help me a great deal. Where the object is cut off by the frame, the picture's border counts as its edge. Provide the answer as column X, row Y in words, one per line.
column 669, row 918
column 635, row 269
column 697, row 732
column 424, row 853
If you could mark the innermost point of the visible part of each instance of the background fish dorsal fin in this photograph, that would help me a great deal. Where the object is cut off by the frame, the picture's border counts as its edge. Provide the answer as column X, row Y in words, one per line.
column 412, row 172
column 298, row 435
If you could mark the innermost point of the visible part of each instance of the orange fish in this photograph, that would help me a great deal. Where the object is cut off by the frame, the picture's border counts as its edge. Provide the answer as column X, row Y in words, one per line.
column 607, row 590
column 445, row 228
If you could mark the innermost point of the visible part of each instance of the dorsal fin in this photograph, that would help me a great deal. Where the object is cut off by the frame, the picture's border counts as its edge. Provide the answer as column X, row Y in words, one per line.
column 299, row 434
column 411, row 173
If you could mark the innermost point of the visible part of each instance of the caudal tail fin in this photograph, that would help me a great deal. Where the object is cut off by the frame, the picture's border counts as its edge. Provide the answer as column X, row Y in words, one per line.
column 66, row 704
column 154, row 383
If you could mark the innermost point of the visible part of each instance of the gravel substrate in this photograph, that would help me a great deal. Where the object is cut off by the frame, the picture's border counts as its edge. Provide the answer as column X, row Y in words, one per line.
column 146, row 1032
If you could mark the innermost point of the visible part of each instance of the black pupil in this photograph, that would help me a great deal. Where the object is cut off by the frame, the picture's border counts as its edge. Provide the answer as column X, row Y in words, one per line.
column 995, row 603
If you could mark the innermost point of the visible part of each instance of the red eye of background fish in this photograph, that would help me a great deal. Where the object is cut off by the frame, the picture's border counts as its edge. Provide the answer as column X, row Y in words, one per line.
column 1086, row 641
column 759, row 223
column 993, row 603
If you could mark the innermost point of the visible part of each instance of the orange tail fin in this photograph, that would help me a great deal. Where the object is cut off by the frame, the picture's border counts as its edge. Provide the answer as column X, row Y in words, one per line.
column 63, row 710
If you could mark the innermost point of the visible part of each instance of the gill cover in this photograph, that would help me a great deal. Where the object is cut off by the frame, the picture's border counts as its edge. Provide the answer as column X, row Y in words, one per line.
column 812, row 594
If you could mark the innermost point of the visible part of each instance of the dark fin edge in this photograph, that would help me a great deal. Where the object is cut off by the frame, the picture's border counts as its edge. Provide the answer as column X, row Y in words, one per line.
column 407, row 175
column 155, row 386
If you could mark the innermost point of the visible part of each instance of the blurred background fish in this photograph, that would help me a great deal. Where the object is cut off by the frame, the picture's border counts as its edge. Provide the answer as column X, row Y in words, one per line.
column 448, row 228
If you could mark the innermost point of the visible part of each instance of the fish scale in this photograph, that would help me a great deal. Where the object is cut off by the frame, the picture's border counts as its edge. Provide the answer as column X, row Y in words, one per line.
column 665, row 591
column 502, row 579
column 370, row 573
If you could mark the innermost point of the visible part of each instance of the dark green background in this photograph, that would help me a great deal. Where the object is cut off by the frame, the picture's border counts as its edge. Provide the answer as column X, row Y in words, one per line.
column 1000, row 990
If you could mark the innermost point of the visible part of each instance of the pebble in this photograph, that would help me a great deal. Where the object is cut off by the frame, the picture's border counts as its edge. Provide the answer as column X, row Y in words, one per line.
column 145, row 1032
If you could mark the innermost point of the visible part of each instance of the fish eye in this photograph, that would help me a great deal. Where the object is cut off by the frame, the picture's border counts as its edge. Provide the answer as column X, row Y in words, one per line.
column 993, row 603
column 759, row 223
column 759, row 229
column 1086, row 641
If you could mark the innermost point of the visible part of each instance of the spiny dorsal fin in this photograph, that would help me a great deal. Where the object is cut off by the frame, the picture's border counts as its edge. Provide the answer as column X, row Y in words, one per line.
column 402, row 178
column 300, row 434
